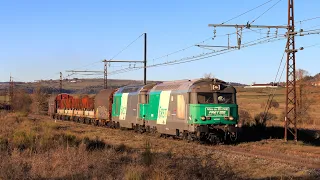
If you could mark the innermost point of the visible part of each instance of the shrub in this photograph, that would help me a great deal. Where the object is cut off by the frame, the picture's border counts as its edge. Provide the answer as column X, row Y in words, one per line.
column 262, row 118
column 40, row 101
column 147, row 154
column 21, row 102
column 244, row 117
column 273, row 104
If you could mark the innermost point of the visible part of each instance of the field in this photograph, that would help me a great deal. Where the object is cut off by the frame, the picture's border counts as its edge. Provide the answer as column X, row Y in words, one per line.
column 3, row 99
column 37, row 147
column 253, row 100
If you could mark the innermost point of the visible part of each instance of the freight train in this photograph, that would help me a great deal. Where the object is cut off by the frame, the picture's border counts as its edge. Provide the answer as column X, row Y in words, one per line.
column 203, row 110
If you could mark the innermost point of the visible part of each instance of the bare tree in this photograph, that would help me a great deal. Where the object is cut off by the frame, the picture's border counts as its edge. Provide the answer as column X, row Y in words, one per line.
column 303, row 101
column 21, row 101
column 208, row 76
column 301, row 74
column 40, row 98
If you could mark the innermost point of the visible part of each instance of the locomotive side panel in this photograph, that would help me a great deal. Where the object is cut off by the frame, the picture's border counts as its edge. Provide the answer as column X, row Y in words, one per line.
column 168, row 112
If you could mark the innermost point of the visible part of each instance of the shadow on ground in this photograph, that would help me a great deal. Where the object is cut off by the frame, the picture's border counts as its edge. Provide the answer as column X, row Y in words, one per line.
column 254, row 133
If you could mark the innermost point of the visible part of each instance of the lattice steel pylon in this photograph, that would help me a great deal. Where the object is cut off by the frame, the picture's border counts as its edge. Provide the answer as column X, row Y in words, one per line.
column 11, row 86
column 60, row 85
column 291, row 95
column 105, row 76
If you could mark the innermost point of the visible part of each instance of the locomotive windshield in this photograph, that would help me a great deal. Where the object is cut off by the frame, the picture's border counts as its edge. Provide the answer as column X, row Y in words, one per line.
column 225, row 98
column 205, row 98
column 215, row 98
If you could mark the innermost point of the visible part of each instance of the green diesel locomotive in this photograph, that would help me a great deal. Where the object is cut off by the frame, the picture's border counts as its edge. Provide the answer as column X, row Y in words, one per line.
column 201, row 109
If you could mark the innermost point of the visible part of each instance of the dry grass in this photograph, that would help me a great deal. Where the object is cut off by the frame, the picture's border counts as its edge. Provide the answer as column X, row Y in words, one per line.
column 3, row 99
column 70, row 150
column 32, row 148
column 254, row 101
column 35, row 149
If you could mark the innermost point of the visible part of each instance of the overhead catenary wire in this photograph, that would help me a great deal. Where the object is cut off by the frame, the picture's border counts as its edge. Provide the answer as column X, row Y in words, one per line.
column 180, row 50
column 111, row 58
column 247, row 11
column 309, row 19
column 260, row 42
column 126, row 47
column 166, row 55
column 202, row 41
column 194, row 58
column 184, row 60
column 265, row 11
column 270, row 98
column 194, row 45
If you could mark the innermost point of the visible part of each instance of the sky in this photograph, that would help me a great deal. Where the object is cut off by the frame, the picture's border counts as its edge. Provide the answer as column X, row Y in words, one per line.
column 39, row 39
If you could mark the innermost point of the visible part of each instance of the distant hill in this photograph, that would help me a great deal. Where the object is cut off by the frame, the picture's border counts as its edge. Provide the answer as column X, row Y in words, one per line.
column 78, row 86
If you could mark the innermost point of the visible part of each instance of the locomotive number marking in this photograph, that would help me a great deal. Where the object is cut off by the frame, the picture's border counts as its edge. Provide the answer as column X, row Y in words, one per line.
column 217, row 111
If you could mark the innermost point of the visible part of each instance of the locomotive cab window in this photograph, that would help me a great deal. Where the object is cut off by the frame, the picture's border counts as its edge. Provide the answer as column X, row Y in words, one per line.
column 225, row 98
column 205, row 98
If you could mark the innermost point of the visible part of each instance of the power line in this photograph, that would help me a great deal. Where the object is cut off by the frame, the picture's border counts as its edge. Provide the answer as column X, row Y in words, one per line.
column 110, row 59
column 265, row 11
column 197, row 57
column 235, row 32
column 270, row 98
column 194, row 45
column 125, row 48
column 310, row 19
column 247, row 11
column 183, row 49
column 189, row 59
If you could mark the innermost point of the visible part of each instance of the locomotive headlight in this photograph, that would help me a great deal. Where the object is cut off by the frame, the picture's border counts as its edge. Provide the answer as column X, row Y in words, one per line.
column 231, row 118
column 215, row 87
column 203, row 118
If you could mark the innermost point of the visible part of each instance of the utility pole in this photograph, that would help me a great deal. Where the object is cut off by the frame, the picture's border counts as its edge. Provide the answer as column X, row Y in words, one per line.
column 105, row 75
column 60, row 82
column 291, row 96
column 105, row 71
column 145, row 60
column 116, row 61
column 11, row 92
column 291, row 99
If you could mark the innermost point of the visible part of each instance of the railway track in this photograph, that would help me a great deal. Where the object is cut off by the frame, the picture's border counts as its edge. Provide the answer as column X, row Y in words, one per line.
column 312, row 161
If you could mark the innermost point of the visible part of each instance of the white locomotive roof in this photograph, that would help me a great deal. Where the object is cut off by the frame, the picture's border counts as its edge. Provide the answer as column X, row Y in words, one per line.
column 180, row 85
